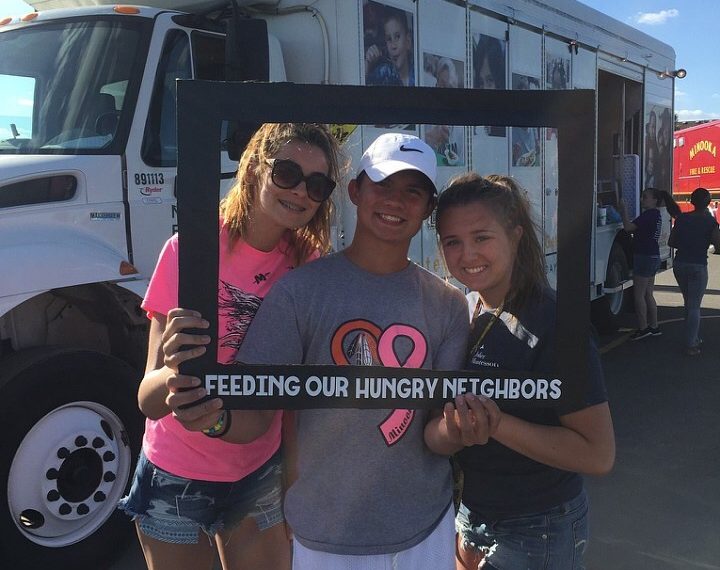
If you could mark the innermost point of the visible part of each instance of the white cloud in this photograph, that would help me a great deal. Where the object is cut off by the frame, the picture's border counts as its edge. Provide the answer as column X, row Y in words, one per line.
column 656, row 18
column 715, row 96
column 25, row 102
column 695, row 114
column 689, row 113
column 680, row 93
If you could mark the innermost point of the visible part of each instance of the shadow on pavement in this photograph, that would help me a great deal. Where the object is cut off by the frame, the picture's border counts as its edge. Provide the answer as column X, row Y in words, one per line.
column 659, row 508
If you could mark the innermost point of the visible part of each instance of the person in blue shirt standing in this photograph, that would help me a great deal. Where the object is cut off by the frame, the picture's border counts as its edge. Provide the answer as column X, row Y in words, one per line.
column 691, row 235
column 646, row 229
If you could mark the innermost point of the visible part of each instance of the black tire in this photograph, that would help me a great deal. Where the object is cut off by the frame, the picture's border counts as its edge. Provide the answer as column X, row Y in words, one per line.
column 40, row 390
column 606, row 311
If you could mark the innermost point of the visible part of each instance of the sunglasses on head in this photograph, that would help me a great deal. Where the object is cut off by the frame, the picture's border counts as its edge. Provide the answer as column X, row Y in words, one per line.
column 288, row 174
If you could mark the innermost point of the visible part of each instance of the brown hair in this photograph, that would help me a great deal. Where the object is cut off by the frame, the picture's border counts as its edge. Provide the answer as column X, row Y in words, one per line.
column 236, row 208
column 663, row 198
column 507, row 200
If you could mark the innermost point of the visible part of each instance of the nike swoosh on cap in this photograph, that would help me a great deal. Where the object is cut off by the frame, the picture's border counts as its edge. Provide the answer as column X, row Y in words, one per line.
column 409, row 149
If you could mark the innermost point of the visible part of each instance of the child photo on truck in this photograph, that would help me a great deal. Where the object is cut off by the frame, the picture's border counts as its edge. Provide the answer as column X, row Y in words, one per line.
column 389, row 45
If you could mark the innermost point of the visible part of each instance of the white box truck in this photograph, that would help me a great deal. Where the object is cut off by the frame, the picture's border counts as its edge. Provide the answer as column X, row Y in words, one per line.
column 87, row 192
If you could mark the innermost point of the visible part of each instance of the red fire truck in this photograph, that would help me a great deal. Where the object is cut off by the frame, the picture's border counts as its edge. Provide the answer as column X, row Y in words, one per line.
column 696, row 163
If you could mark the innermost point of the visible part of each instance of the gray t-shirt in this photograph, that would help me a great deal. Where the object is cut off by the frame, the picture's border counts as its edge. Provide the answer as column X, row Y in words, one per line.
column 367, row 484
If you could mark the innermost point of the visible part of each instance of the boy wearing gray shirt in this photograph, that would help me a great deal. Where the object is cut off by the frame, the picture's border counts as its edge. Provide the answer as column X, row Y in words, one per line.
column 367, row 485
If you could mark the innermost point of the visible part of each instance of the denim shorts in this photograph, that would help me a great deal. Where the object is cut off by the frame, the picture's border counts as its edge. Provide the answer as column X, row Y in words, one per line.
column 553, row 540
column 645, row 265
column 174, row 509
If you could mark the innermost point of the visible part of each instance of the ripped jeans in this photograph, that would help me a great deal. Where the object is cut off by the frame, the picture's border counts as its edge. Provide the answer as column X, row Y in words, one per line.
column 552, row 540
column 174, row 509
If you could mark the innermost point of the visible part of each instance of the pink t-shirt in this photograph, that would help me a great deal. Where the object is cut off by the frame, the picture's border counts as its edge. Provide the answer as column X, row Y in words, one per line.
column 245, row 276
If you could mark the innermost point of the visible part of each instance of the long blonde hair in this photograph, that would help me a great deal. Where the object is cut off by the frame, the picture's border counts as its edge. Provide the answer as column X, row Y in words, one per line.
column 237, row 207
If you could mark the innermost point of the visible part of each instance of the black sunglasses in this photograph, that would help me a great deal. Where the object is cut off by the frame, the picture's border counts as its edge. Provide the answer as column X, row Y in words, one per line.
column 288, row 174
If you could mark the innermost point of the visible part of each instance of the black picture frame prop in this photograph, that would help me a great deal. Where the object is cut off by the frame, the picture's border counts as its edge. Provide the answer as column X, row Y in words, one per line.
column 203, row 105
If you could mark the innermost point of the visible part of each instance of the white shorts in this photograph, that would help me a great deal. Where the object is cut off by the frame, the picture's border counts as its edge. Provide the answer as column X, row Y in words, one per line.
column 436, row 552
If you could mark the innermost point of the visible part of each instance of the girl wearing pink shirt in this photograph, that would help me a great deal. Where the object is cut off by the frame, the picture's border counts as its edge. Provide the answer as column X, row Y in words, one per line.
column 276, row 217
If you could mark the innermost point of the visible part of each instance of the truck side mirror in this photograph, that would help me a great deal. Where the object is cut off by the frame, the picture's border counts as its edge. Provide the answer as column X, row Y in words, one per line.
column 247, row 58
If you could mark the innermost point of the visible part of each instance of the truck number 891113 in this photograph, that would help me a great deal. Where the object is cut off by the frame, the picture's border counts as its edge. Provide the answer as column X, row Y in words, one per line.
column 149, row 178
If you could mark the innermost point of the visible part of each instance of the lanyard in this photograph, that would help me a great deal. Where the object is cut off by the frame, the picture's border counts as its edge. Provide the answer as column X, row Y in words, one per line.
column 495, row 316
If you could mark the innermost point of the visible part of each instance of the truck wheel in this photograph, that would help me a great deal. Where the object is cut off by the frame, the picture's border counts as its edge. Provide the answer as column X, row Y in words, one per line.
column 606, row 311
column 70, row 436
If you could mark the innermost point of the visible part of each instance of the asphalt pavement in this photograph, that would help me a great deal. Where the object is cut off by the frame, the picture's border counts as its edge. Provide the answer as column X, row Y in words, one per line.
column 659, row 509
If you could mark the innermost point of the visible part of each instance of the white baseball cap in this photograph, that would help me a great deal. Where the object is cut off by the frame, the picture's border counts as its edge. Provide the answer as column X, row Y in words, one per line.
column 393, row 152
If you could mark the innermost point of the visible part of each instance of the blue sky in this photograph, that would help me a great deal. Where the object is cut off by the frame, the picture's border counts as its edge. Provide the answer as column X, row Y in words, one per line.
column 691, row 28
column 688, row 26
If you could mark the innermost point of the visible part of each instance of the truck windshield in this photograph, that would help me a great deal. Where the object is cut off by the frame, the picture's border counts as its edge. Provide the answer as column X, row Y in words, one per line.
column 69, row 87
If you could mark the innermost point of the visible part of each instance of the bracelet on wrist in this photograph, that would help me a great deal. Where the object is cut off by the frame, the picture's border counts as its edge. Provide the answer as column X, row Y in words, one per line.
column 221, row 425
